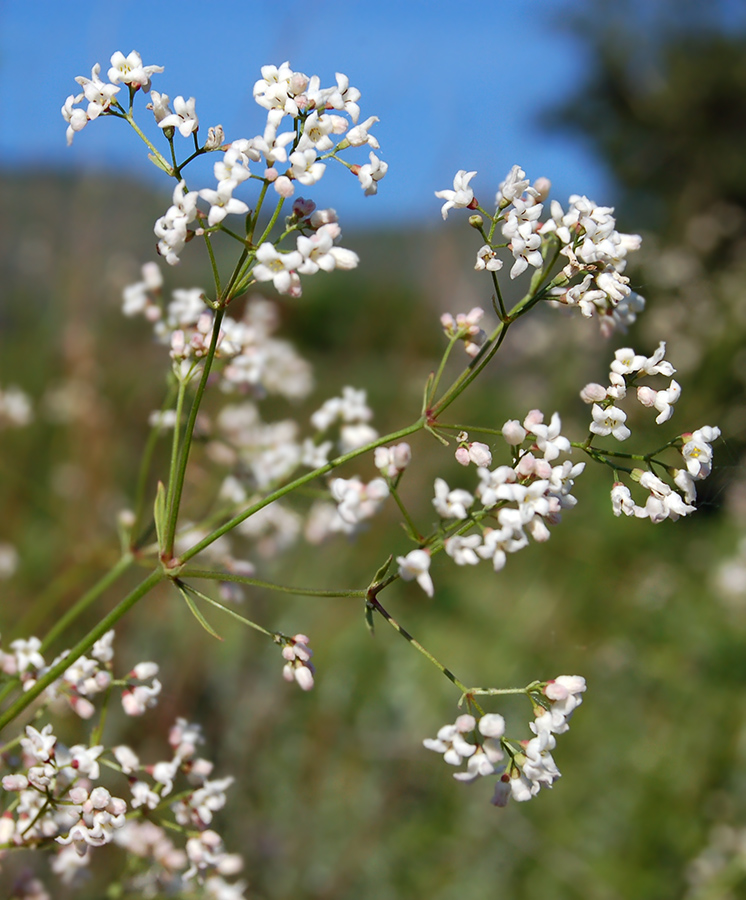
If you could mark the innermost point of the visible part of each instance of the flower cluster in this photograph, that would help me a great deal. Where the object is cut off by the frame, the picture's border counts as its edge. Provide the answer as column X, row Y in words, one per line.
column 522, row 499
column 530, row 766
column 59, row 800
column 586, row 235
column 663, row 502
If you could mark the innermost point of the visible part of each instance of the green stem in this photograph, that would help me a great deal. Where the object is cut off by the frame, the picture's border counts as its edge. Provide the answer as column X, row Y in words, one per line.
column 175, row 493
column 373, row 602
column 441, row 367
column 175, row 443
column 227, row 609
column 145, row 463
column 81, row 647
column 298, row 482
column 268, row 585
column 414, row 530
column 85, row 601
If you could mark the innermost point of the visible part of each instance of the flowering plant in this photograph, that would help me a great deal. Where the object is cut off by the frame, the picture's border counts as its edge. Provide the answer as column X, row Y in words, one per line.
column 230, row 362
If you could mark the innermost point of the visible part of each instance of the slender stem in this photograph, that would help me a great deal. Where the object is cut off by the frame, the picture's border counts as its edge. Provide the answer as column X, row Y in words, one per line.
column 178, row 487
column 147, row 458
column 85, row 601
column 415, row 532
column 473, row 369
column 175, row 443
column 373, row 601
column 268, row 585
column 441, row 367
column 293, row 485
column 227, row 609
column 469, row 428
column 81, row 647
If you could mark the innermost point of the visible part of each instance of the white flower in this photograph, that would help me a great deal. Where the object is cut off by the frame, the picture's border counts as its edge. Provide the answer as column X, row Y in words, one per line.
column 416, row 565
column 451, row 504
column 663, row 401
column 609, row 421
column 462, row 549
column 222, row 203
column 697, row 451
column 548, row 437
column 130, row 70
column 461, row 195
column 487, row 260
column 371, row 173
column 451, row 743
column 621, row 500
column 183, row 118
column 275, row 266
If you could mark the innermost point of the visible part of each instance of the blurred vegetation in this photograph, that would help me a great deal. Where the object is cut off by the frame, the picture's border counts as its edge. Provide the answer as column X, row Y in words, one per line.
column 334, row 795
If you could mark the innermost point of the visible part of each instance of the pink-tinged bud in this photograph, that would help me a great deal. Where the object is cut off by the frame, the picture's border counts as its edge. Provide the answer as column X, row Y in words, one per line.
column 82, row 707
column 323, row 217
column 480, row 455
column 542, row 186
column 304, row 677
column 401, row 455
column 78, row 795
column 145, row 670
column 513, row 432
column 15, row 782
column 646, row 395
column 462, row 456
column 271, row 174
column 535, row 417
column 593, row 393
column 284, row 187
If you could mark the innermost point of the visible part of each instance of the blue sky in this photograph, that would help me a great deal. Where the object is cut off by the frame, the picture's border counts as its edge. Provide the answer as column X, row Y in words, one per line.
column 453, row 90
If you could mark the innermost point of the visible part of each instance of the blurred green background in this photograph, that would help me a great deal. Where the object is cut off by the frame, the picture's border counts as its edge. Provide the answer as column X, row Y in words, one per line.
column 334, row 795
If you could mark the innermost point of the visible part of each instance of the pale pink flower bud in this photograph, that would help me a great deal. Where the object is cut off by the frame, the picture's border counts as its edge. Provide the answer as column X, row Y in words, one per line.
column 145, row 670
column 646, row 395
column 462, row 456
column 492, row 725
column 271, row 174
column 480, row 455
column 593, row 393
column 284, row 186
column 542, row 186
column 15, row 782
column 513, row 432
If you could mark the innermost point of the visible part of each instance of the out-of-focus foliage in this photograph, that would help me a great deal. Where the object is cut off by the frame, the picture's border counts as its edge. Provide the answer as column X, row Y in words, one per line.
column 335, row 796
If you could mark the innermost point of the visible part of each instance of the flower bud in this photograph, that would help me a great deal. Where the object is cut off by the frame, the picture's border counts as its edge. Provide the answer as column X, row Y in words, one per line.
column 476, row 221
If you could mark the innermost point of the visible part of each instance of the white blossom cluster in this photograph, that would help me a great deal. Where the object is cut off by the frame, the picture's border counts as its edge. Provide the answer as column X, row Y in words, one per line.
column 530, row 764
column 58, row 797
column 323, row 123
column 663, row 502
column 586, row 235
column 86, row 678
column 256, row 361
column 522, row 499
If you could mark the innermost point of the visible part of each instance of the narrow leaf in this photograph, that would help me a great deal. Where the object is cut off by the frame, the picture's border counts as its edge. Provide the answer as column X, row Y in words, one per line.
column 198, row 615
column 159, row 513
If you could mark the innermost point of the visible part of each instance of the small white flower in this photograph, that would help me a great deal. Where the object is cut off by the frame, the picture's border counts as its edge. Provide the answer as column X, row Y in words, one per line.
column 416, row 565
column 461, row 195
column 609, row 421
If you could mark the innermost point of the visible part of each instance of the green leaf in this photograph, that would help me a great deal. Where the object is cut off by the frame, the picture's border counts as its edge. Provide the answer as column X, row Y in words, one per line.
column 159, row 513
column 198, row 615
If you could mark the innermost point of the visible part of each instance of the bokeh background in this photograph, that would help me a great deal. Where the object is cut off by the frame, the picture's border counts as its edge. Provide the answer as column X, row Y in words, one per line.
column 638, row 104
